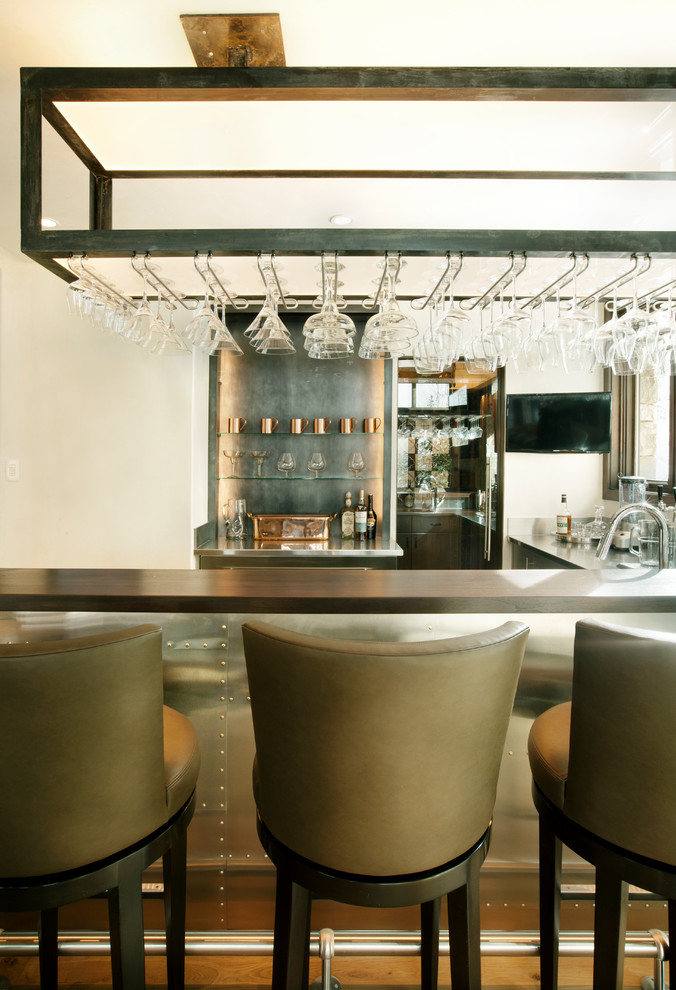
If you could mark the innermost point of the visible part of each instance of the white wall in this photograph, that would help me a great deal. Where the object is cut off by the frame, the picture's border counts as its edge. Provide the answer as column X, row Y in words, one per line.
column 102, row 432
column 534, row 482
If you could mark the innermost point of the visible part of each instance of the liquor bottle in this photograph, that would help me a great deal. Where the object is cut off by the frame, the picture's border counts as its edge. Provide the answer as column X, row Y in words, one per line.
column 347, row 518
column 371, row 520
column 563, row 518
column 360, row 518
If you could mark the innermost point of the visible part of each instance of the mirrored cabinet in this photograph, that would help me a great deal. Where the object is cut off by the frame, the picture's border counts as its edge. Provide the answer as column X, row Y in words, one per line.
column 447, row 467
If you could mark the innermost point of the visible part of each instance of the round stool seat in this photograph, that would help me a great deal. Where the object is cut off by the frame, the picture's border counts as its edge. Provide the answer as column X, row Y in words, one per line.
column 549, row 750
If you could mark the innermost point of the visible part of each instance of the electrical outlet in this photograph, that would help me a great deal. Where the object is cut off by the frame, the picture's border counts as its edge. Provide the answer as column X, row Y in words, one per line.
column 12, row 470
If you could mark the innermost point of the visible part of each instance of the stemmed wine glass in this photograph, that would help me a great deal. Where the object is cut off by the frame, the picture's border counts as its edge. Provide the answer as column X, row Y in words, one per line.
column 316, row 463
column 233, row 456
column 259, row 456
column 286, row 464
column 356, row 463
column 139, row 325
column 474, row 430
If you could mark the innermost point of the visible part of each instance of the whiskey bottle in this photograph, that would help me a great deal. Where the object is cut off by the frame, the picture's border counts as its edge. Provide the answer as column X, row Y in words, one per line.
column 563, row 518
column 371, row 520
column 347, row 518
column 360, row 518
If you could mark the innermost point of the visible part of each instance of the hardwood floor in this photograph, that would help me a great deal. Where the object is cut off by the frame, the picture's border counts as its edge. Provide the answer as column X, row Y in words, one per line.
column 253, row 972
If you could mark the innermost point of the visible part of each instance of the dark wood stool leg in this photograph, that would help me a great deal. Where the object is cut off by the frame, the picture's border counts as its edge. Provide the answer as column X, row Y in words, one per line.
column 174, row 875
column 464, row 925
column 48, row 940
column 610, row 924
column 430, row 913
column 291, row 954
column 125, row 912
column 550, row 906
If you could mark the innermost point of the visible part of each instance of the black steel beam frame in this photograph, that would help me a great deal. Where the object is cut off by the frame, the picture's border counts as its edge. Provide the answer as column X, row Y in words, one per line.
column 42, row 88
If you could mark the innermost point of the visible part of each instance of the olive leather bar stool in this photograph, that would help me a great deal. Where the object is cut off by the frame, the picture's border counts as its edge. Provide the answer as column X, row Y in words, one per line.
column 98, row 782
column 375, row 777
column 604, row 785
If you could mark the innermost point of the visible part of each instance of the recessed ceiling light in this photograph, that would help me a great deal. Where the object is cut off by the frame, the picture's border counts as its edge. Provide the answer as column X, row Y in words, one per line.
column 48, row 222
column 340, row 220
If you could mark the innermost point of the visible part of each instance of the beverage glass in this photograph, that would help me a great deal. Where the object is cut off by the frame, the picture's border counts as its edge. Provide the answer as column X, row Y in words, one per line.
column 233, row 456
column 228, row 516
column 235, row 425
column 645, row 544
column 347, row 425
column 238, row 524
column 286, row 464
column 632, row 489
column 269, row 424
column 298, row 425
column 321, row 425
column 356, row 463
column 259, row 456
column 372, row 424
column 316, row 463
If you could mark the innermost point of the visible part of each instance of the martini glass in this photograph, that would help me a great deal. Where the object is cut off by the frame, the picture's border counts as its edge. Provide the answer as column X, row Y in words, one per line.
column 259, row 456
column 233, row 456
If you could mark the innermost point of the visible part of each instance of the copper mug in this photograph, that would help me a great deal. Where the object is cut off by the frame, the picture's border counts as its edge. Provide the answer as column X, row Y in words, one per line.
column 269, row 424
column 321, row 425
column 236, row 425
column 299, row 424
column 347, row 425
column 372, row 425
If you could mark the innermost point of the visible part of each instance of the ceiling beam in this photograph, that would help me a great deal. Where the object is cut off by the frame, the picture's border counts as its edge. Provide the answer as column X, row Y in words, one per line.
column 353, row 83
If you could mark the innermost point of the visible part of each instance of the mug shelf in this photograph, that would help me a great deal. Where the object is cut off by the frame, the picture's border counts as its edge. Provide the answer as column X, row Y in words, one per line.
column 297, row 477
column 306, row 434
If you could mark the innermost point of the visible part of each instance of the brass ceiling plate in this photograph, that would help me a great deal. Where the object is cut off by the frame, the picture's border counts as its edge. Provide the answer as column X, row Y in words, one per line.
column 227, row 40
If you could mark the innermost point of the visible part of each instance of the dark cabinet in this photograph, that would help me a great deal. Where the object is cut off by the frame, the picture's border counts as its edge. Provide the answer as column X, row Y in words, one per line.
column 429, row 541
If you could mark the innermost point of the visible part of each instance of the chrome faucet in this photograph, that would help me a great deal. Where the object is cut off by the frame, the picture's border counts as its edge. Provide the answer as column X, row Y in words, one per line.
column 625, row 510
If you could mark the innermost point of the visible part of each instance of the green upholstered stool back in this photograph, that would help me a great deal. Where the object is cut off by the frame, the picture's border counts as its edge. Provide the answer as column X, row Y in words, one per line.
column 379, row 758
column 82, row 752
column 622, row 768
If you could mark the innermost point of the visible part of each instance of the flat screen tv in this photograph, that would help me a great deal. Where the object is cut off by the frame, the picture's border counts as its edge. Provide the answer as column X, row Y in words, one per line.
column 559, row 423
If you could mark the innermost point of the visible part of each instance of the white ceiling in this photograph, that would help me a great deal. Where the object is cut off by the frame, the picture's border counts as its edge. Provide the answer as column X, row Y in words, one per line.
column 351, row 32
column 362, row 32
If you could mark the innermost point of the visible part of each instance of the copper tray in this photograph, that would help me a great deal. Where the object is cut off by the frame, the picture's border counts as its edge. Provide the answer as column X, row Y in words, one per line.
column 286, row 527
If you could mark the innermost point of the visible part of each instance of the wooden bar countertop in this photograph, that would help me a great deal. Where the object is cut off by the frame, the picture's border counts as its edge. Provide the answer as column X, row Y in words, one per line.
column 279, row 590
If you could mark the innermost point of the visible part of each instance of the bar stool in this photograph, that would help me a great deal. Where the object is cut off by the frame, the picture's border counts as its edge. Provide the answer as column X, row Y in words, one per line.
column 375, row 777
column 603, row 769
column 98, row 782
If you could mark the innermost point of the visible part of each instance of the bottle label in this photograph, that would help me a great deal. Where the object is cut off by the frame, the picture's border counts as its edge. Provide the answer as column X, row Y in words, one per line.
column 347, row 524
column 360, row 521
column 563, row 525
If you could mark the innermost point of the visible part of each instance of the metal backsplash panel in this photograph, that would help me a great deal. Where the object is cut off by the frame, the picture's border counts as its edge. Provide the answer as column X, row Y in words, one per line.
column 255, row 386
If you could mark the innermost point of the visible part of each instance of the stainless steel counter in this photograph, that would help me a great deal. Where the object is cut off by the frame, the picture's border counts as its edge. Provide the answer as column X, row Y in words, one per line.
column 333, row 552
column 575, row 555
